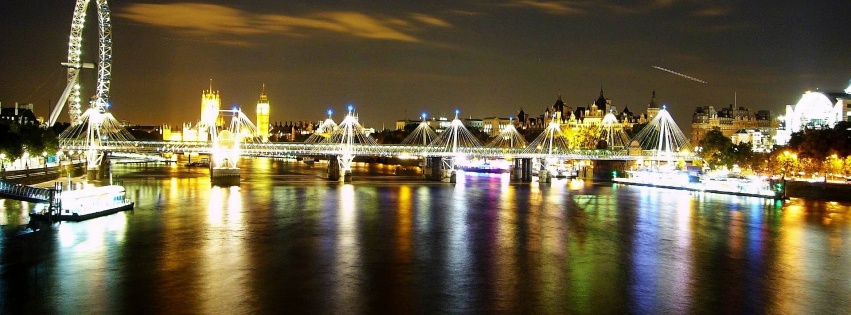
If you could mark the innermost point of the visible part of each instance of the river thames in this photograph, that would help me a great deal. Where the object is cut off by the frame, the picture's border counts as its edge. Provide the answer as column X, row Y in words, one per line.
column 287, row 241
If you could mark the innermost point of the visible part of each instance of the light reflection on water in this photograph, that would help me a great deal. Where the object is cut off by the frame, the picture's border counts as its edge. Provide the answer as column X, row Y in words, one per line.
column 287, row 241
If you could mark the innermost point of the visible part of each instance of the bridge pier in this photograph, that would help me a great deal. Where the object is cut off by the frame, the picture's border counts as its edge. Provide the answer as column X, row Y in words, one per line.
column 101, row 171
column 517, row 171
column 544, row 173
column 604, row 170
column 224, row 176
column 450, row 175
column 333, row 168
column 526, row 165
column 434, row 165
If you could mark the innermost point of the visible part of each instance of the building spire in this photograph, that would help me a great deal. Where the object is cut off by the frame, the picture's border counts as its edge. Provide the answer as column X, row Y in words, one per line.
column 263, row 96
column 653, row 103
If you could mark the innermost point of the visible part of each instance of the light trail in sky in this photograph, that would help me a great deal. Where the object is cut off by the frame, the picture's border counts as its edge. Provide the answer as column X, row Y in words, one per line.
column 680, row 74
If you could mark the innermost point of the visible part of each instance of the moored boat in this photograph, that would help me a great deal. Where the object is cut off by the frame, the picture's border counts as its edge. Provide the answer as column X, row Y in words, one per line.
column 84, row 204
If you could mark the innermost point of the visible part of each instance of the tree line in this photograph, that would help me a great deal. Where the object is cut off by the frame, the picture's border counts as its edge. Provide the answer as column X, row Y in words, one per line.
column 17, row 139
column 811, row 152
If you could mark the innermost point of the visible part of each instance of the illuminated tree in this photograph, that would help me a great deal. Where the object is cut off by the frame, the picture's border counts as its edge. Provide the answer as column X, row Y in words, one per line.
column 846, row 166
column 834, row 165
column 715, row 149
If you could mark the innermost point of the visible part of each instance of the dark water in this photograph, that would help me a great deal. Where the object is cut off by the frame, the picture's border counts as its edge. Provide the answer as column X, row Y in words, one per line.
column 287, row 241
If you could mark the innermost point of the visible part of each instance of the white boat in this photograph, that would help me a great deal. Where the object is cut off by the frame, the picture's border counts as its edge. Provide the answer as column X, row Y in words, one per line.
column 741, row 186
column 84, row 204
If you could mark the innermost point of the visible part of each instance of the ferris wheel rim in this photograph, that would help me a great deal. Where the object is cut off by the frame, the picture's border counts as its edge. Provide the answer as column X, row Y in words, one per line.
column 72, row 94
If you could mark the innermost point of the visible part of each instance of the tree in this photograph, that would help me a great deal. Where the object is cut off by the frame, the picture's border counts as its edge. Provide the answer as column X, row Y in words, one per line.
column 388, row 136
column 834, row 165
column 742, row 155
column 530, row 134
column 631, row 132
column 480, row 135
column 716, row 149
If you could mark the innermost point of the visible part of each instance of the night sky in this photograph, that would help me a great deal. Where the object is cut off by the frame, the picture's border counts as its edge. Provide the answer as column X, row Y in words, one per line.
column 396, row 59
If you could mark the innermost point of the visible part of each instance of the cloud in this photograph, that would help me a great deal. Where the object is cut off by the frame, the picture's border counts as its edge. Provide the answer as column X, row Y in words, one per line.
column 224, row 24
column 712, row 12
column 573, row 7
column 461, row 12
column 430, row 20
column 549, row 7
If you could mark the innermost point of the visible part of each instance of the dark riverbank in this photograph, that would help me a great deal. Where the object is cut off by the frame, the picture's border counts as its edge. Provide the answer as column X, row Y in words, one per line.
column 818, row 190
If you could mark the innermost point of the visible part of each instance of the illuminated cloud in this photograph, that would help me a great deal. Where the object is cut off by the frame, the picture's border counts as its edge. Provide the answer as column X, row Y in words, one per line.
column 430, row 20
column 222, row 24
column 571, row 7
column 550, row 7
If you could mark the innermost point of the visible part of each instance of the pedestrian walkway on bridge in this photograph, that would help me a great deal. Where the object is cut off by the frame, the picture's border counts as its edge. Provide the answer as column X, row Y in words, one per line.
column 24, row 193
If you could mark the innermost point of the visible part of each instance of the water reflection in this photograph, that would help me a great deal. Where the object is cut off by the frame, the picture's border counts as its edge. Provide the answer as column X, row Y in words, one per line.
column 224, row 266
column 347, row 276
column 86, row 267
column 458, row 263
column 286, row 241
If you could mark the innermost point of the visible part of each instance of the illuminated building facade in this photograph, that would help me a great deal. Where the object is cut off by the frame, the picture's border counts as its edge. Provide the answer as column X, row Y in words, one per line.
column 493, row 126
column 815, row 110
column 263, row 116
column 210, row 104
column 590, row 116
column 731, row 120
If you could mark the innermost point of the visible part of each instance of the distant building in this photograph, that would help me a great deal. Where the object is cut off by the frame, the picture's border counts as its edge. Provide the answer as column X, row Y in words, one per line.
column 760, row 139
column 263, row 116
column 210, row 104
column 815, row 110
column 148, row 132
column 730, row 120
column 21, row 114
column 401, row 124
column 493, row 126
column 473, row 123
column 652, row 108
column 439, row 124
column 586, row 116
column 291, row 131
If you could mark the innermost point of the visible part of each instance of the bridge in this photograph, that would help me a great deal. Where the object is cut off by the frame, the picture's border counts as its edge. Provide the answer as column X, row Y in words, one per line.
column 342, row 143
column 24, row 193
column 96, row 132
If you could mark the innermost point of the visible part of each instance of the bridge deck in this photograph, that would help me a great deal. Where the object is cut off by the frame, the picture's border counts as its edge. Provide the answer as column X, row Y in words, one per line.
column 279, row 149
column 24, row 193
